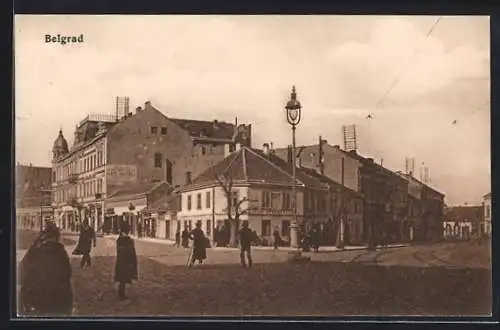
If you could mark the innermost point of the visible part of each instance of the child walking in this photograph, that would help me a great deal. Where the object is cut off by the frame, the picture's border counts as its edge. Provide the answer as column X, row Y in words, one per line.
column 126, row 261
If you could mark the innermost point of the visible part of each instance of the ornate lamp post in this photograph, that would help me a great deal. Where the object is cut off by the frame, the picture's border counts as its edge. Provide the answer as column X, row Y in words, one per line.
column 293, row 116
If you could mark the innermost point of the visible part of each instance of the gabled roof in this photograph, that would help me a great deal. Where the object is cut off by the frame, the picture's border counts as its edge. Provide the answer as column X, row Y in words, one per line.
column 459, row 213
column 210, row 129
column 253, row 166
column 166, row 203
column 137, row 189
column 411, row 178
column 334, row 184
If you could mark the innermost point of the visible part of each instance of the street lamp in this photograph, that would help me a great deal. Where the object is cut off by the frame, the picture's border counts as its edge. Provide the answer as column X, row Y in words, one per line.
column 42, row 190
column 293, row 116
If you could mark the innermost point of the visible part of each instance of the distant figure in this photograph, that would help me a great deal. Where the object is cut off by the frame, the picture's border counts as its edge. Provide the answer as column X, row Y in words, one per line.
column 185, row 238
column 314, row 235
column 85, row 241
column 277, row 237
column 45, row 277
column 178, row 238
column 199, row 245
column 139, row 229
column 126, row 261
column 246, row 238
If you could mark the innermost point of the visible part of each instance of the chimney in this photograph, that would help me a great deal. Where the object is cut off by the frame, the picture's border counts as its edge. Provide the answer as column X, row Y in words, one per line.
column 188, row 177
column 215, row 124
column 147, row 104
column 336, row 146
column 265, row 148
column 370, row 160
column 289, row 155
column 138, row 109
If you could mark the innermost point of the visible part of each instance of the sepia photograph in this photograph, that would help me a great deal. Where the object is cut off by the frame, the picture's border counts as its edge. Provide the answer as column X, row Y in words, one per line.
column 246, row 165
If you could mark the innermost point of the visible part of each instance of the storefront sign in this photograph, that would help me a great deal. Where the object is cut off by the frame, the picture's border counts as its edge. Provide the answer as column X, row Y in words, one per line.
column 117, row 174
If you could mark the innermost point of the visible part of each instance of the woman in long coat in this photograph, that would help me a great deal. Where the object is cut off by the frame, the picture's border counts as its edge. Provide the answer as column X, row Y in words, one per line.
column 200, row 243
column 45, row 277
column 126, row 261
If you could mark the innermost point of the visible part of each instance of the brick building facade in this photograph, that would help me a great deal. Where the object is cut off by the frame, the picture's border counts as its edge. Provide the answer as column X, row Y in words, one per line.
column 110, row 154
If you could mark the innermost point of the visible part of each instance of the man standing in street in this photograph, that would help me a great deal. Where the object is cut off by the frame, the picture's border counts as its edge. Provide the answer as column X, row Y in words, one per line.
column 246, row 238
column 86, row 240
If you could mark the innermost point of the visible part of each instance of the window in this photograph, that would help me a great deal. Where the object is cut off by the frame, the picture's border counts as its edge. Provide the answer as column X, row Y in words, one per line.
column 286, row 201
column 275, row 200
column 203, row 150
column 53, row 176
column 168, row 170
column 179, row 200
column 208, row 202
column 266, row 227
column 189, row 202
column 487, row 211
column 154, row 130
column 158, row 162
column 198, row 201
column 163, row 131
column 209, row 228
column 285, row 228
column 234, row 199
column 266, row 198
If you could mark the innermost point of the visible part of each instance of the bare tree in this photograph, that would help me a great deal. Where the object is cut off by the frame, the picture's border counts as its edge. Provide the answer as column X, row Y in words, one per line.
column 234, row 205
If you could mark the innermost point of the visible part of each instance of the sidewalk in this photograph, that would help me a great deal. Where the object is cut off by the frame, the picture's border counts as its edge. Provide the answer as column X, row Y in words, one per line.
column 259, row 248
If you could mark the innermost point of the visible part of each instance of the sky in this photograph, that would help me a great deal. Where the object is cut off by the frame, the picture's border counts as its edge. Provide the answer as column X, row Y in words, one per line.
column 425, row 80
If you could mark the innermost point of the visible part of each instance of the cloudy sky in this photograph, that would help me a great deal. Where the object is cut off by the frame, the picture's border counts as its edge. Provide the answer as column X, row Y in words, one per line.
column 219, row 67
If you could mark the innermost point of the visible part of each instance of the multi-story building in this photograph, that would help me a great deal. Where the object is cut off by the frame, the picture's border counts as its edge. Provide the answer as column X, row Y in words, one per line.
column 486, row 223
column 425, row 211
column 33, row 196
column 115, row 153
column 384, row 192
column 262, row 185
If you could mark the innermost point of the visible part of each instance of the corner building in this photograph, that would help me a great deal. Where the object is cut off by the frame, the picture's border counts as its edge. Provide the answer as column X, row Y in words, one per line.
column 116, row 153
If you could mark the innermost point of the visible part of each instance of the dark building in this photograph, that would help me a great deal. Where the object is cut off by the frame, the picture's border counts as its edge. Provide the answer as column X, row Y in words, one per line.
column 33, row 195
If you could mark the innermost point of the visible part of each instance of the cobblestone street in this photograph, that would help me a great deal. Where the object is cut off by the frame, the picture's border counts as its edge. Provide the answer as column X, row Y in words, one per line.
column 334, row 283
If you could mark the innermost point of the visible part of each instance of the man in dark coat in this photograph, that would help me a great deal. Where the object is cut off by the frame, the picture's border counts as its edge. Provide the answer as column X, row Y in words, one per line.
column 178, row 239
column 45, row 277
column 86, row 240
column 199, row 245
column 277, row 237
column 246, row 238
column 126, row 261
column 185, row 238
column 314, row 235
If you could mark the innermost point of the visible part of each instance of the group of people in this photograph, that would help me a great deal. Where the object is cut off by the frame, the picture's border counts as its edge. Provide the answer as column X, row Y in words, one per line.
column 45, row 271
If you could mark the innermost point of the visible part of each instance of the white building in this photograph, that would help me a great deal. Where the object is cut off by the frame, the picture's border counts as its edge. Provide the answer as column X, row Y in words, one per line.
column 262, row 185
column 486, row 223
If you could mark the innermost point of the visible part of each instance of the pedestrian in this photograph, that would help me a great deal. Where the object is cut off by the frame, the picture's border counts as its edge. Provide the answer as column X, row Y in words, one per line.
column 45, row 277
column 246, row 239
column 185, row 238
column 177, row 238
column 199, row 245
column 277, row 237
column 139, row 229
column 86, row 240
column 126, row 261
column 315, row 237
